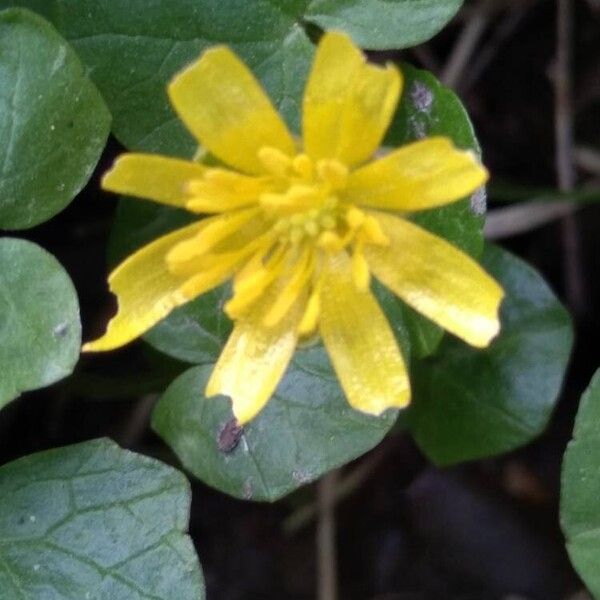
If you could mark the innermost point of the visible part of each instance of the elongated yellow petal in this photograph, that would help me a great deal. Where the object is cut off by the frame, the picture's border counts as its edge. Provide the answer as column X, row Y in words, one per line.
column 437, row 280
column 348, row 104
column 146, row 291
column 425, row 174
column 255, row 357
column 361, row 344
column 154, row 177
column 223, row 105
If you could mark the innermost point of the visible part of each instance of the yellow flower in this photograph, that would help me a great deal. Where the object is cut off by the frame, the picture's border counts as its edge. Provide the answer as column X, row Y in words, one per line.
column 301, row 230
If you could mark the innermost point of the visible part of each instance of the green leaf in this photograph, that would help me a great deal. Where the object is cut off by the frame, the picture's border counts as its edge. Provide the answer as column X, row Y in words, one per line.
column 132, row 50
column 305, row 430
column 384, row 24
column 580, row 489
column 40, row 331
column 471, row 403
column 93, row 522
column 46, row 8
column 53, row 122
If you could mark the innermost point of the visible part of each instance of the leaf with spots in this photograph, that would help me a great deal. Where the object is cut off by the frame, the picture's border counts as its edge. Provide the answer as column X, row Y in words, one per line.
column 305, row 430
column 92, row 522
column 53, row 122
column 40, row 330
column 427, row 108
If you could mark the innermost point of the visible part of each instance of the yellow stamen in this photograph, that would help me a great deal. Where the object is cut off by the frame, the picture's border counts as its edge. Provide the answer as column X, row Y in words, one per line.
column 354, row 217
column 221, row 228
column 373, row 232
column 333, row 172
column 360, row 269
column 310, row 318
column 253, row 280
column 275, row 161
column 303, row 166
column 330, row 241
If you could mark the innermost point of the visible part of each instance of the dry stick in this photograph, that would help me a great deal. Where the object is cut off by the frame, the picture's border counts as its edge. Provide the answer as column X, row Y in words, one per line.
column 137, row 423
column 513, row 220
column 466, row 43
column 588, row 159
column 505, row 29
column 427, row 58
column 326, row 551
column 563, row 119
column 304, row 515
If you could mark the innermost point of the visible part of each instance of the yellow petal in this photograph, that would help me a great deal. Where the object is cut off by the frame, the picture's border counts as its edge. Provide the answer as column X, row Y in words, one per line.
column 359, row 340
column 153, row 177
column 425, row 174
column 223, row 105
column 348, row 104
column 437, row 280
column 255, row 358
column 147, row 291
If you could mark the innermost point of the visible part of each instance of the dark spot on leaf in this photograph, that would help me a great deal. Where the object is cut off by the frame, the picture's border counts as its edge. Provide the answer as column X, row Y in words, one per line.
column 21, row 521
column 229, row 436
column 61, row 330
column 421, row 96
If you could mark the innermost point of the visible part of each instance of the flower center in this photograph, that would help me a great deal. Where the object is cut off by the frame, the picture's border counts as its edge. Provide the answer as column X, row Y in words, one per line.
column 303, row 202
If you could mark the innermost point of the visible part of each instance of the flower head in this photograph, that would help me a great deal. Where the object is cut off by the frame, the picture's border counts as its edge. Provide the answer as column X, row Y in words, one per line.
column 301, row 227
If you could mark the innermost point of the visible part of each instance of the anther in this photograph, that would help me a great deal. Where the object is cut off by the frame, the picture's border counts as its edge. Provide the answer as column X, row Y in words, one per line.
column 303, row 166
column 275, row 161
column 333, row 172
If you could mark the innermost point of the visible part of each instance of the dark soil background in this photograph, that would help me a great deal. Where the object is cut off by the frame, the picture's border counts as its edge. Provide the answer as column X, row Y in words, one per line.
column 487, row 530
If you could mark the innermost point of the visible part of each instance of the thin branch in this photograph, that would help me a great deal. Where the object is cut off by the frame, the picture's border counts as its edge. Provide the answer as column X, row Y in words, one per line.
column 304, row 515
column 588, row 159
column 137, row 423
column 563, row 119
column 466, row 43
column 326, row 550
column 509, row 24
column 514, row 220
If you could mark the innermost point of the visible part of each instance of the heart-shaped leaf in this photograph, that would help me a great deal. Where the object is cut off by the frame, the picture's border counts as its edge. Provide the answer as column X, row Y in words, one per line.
column 53, row 122
column 40, row 331
column 305, row 430
column 471, row 403
column 93, row 522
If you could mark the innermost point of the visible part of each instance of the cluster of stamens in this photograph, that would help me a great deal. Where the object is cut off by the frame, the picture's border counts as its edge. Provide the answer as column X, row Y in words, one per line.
column 295, row 211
